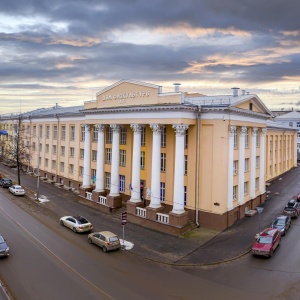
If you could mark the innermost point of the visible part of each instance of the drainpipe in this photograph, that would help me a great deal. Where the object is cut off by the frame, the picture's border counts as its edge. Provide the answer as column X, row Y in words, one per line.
column 197, row 167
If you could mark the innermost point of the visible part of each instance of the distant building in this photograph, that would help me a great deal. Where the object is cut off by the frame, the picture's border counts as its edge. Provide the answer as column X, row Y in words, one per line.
column 291, row 119
column 170, row 158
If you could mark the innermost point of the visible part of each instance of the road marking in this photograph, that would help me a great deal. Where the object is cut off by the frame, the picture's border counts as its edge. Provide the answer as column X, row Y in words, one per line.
column 57, row 257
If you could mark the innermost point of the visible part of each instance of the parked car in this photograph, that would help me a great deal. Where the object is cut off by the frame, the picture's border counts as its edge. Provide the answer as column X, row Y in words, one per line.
column 17, row 190
column 266, row 242
column 105, row 239
column 282, row 224
column 5, row 182
column 4, row 249
column 292, row 209
column 76, row 223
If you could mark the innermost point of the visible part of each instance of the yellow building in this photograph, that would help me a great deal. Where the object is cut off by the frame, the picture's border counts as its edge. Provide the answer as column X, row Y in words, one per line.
column 172, row 159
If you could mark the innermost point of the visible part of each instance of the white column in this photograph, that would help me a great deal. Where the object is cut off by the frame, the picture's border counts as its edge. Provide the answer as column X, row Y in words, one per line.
column 232, row 130
column 136, row 163
column 114, row 185
column 100, row 158
column 253, row 162
column 155, row 175
column 86, row 182
column 241, row 171
column 262, row 153
column 178, row 202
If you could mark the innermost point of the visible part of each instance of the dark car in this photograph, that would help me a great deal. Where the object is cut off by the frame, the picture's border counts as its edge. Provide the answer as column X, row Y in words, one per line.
column 5, row 182
column 282, row 224
column 4, row 249
column 266, row 242
column 292, row 209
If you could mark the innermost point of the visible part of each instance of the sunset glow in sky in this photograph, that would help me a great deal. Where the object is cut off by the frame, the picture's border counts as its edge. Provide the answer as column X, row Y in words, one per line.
column 66, row 51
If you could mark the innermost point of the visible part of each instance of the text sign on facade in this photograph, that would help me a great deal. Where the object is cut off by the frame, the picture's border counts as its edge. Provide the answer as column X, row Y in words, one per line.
column 124, row 218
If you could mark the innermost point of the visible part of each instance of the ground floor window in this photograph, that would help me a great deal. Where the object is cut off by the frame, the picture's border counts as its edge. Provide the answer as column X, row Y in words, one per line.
column 162, row 191
column 107, row 180
column 122, row 183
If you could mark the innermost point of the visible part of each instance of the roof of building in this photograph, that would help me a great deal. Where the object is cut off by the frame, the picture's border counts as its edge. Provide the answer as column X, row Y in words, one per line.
column 289, row 116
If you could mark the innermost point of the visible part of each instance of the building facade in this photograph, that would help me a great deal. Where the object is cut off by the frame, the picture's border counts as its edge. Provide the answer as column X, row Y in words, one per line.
column 172, row 159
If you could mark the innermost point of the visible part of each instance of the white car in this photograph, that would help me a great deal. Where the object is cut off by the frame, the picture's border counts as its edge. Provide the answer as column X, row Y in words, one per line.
column 17, row 190
column 76, row 223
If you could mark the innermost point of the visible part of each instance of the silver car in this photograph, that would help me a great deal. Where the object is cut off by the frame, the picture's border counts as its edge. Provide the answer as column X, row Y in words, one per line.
column 4, row 249
column 105, row 239
column 76, row 223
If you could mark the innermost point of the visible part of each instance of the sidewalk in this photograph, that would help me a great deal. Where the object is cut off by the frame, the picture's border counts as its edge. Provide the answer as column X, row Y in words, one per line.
column 198, row 247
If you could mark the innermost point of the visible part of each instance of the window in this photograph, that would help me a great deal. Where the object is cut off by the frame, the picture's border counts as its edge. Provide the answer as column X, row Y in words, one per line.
column 33, row 146
column 185, row 164
column 63, row 150
column 143, row 136
column 54, row 149
column 186, row 139
column 63, row 132
column 46, row 162
column 162, row 191
column 55, row 132
column 235, row 167
column 62, row 166
column 80, row 171
column 298, row 124
column 250, row 106
column 54, row 164
column 108, row 156
column 163, row 162
column 81, row 153
column 71, row 169
column 122, row 183
column 40, row 161
column 246, row 164
column 40, row 148
column 246, row 188
column 247, row 138
column 94, row 176
column 256, row 183
column 28, row 129
column 72, row 152
column 82, row 133
column 257, row 139
column 108, row 135
column 184, row 195
column 163, row 137
column 94, row 155
column 107, row 180
column 235, row 140
column 47, row 131
column 95, row 135
column 34, row 130
column 41, row 131
column 123, row 134
column 234, row 192
column 291, row 124
column 257, row 162
column 122, row 158
column 72, row 136
column 143, row 159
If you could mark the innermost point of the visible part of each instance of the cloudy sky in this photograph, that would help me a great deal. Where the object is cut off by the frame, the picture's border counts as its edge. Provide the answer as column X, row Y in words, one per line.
column 64, row 51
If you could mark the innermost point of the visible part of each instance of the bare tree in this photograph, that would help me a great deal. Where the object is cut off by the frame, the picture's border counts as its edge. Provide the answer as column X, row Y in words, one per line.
column 15, row 151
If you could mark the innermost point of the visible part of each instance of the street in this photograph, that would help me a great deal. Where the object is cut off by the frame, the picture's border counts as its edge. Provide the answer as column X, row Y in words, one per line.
column 55, row 263
column 45, row 255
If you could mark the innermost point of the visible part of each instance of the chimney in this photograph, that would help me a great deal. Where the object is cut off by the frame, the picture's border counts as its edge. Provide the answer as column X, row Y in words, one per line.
column 235, row 91
column 176, row 87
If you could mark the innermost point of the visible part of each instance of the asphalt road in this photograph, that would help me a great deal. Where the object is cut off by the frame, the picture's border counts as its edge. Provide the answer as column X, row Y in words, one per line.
column 55, row 263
